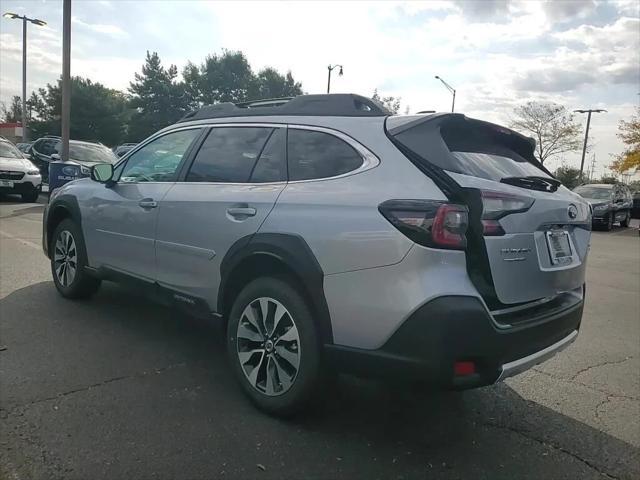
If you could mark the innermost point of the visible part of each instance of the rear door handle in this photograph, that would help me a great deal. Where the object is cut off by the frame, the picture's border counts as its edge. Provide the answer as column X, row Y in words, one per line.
column 148, row 203
column 241, row 212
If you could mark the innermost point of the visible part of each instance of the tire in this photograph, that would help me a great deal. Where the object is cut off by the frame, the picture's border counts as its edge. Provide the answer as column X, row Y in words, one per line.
column 624, row 223
column 30, row 197
column 67, row 249
column 609, row 225
column 265, row 365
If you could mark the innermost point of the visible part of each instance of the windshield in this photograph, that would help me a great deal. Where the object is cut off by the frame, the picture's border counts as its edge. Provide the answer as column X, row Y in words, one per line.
column 91, row 153
column 599, row 193
column 8, row 150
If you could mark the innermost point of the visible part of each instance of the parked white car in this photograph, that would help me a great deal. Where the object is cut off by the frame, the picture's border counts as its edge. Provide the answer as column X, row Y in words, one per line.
column 17, row 173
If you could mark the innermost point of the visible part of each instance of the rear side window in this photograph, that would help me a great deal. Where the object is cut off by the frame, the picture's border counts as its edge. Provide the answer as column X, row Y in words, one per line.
column 312, row 154
column 473, row 148
column 229, row 154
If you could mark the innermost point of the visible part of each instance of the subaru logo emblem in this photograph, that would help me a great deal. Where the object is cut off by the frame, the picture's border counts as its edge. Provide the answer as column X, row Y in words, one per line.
column 69, row 170
column 573, row 212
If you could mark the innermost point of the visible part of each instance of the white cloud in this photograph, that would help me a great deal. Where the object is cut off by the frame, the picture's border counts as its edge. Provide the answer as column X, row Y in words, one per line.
column 110, row 30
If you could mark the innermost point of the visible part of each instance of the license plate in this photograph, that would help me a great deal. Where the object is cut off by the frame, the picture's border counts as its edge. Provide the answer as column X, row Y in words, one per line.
column 6, row 183
column 559, row 247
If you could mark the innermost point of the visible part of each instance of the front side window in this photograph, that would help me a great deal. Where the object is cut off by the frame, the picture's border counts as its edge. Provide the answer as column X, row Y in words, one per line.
column 158, row 160
column 46, row 147
column 229, row 154
column 313, row 154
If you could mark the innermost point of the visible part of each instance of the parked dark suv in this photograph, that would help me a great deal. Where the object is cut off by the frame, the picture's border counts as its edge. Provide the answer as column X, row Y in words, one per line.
column 47, row 149
column 610, row 203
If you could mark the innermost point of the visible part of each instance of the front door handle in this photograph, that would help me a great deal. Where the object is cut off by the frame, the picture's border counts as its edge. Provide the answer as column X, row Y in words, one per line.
column 148, row 203
column 241, row 212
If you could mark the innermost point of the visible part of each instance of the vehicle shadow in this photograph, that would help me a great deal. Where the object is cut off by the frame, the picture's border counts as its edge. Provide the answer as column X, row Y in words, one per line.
column 119, row 387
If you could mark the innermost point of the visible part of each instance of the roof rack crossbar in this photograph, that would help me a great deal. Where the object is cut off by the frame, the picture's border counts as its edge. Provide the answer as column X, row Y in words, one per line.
column 337, row 104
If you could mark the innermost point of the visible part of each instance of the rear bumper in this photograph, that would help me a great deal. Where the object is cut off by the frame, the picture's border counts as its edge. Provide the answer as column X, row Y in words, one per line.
column 452, row 329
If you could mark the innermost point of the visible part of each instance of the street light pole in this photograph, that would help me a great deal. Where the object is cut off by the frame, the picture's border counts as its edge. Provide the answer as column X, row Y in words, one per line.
column 40, row 23
column 452, row 90
column 586, row 132
column 25, row 135
column 330, row 68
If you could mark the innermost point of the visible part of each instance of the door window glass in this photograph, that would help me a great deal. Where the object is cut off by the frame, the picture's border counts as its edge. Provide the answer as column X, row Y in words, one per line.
column 158, row 161
column 229, row 154
column 312, row 154
column 272, row 164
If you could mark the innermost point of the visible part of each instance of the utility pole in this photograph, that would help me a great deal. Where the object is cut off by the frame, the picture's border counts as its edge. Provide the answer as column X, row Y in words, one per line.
column 66, row 78
column 586, row 132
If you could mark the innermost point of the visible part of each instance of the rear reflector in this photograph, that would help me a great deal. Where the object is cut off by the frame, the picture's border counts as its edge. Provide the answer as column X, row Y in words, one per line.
column 429, row 223
column 462, row 369
column 496, row 205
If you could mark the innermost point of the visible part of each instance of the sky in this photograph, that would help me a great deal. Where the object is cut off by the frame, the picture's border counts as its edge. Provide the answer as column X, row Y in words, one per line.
column 496, row 53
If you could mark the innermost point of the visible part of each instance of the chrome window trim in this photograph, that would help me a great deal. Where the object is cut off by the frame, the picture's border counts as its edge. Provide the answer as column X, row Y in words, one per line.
column 369, row 159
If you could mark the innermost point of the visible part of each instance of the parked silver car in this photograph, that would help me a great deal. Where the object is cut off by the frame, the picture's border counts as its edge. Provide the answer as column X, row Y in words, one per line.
column 326, row 233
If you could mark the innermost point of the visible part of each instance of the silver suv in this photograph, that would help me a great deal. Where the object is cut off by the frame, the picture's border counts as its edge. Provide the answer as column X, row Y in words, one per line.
column 327, row 234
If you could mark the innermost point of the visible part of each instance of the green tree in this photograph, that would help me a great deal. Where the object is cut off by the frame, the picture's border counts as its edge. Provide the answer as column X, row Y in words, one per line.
column 98, row 113
column 570, row 177
column 228, row 77
column 552, row 127
column 269, row 83
column 390, row 103
column 157, row 98
column 610, row 179
column 12, row 114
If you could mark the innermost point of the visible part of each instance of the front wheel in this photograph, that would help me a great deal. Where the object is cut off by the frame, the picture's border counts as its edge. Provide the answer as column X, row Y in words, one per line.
column 68, row 262
column 625, row 221
column 609, row 225
column 273, row 346
column 30, row 197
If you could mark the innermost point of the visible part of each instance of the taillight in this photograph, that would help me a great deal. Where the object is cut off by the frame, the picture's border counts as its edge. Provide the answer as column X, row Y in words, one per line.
column 496, row 205
column 429, row 223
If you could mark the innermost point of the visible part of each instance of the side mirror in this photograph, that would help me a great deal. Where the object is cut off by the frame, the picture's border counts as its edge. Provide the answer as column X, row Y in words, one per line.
column 55, row 157
column 102, row 172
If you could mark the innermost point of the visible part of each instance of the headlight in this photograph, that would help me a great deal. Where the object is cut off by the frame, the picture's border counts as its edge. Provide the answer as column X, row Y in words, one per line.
column 600, row 207
column 33, row 172
column 85, row 170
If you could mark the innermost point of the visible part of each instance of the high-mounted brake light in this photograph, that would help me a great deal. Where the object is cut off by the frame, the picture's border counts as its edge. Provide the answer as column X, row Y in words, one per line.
column 429, row 223
column 496, row 205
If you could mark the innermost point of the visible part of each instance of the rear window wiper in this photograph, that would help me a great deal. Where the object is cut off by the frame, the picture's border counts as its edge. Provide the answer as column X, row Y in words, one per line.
column 544, row 184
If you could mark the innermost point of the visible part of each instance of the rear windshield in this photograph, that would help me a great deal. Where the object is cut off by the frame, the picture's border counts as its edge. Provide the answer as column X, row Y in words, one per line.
column 599, row 193
column 472, row 148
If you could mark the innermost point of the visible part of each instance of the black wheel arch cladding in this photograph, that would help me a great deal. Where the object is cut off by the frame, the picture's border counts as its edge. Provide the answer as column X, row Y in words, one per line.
column 64, row 206
column 295, row 255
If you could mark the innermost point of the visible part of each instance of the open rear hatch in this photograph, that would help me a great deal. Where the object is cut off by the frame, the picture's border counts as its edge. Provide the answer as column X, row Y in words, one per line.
column 528, row 235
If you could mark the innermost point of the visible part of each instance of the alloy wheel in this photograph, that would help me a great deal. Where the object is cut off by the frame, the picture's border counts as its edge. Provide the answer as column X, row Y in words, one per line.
column 268, row 346
column 65, row 258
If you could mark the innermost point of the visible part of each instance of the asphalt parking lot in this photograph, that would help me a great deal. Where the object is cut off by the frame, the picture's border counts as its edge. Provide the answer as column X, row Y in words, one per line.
column 119, row 387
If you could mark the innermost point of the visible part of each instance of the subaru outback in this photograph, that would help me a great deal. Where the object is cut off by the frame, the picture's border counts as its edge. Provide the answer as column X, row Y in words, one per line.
column 327, row 234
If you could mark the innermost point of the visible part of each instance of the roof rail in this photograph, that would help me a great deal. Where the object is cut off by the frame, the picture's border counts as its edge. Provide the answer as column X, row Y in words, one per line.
column 336, row 104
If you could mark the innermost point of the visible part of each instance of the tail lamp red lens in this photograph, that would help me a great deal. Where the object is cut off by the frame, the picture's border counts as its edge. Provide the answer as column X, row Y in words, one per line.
column 429, row 223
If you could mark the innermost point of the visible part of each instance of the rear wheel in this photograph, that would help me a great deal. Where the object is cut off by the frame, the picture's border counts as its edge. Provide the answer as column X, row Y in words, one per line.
column 625, row 221
column 68, row 262
column 273, row 346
